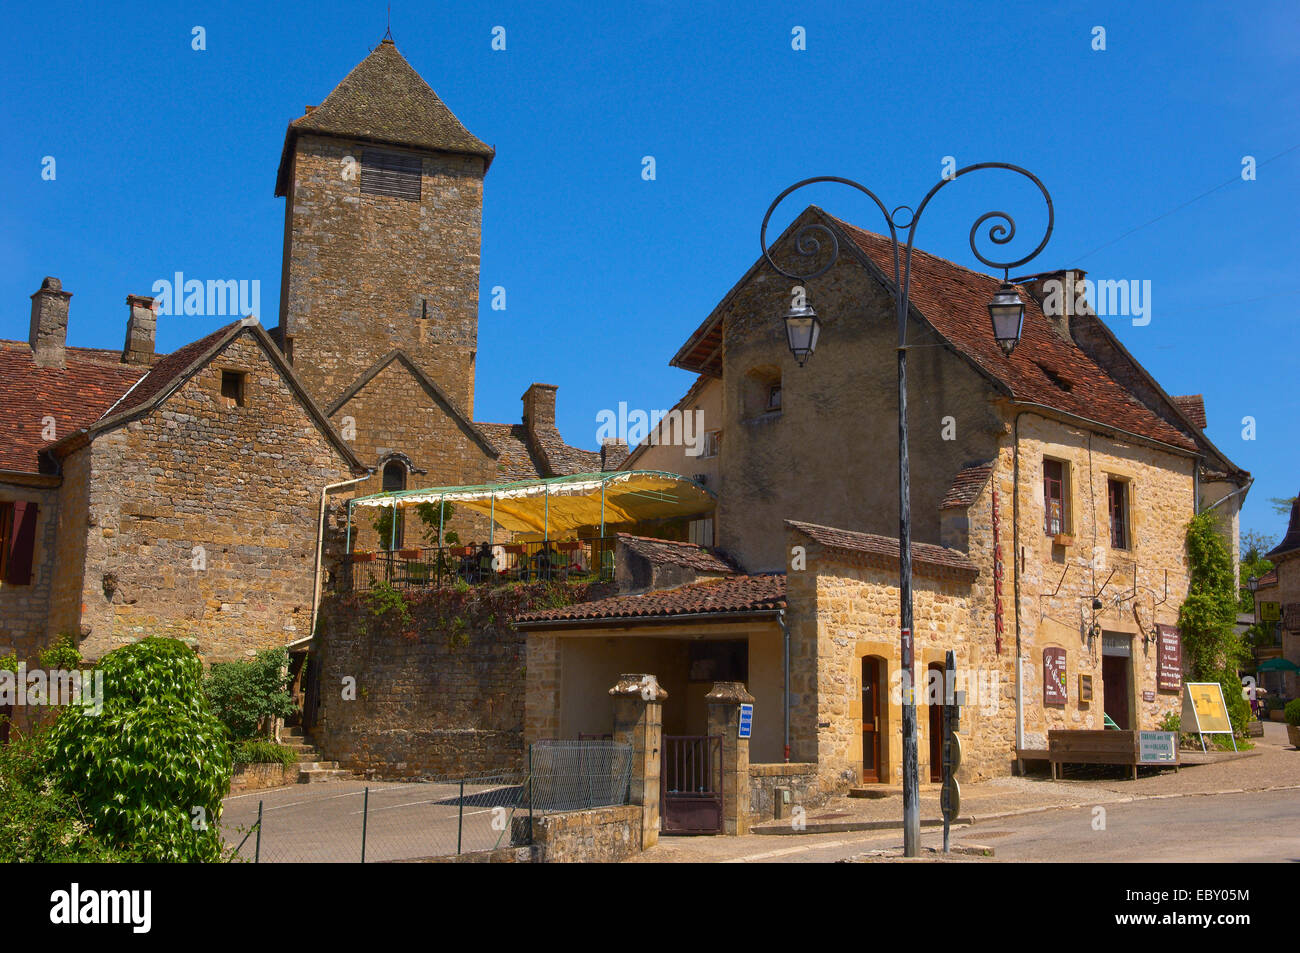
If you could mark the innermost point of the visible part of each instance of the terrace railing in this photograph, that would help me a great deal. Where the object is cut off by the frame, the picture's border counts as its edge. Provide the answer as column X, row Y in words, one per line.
column 575, row 560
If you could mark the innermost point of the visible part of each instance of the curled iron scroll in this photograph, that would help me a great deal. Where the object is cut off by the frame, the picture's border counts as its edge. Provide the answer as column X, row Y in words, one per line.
column 1002, row 230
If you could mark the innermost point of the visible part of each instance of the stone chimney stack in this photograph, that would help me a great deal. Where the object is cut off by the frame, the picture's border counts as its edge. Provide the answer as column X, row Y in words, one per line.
column 1060, row 294
column 49, row 331
column 613, row 453
column 141, row 330
column 539, row 408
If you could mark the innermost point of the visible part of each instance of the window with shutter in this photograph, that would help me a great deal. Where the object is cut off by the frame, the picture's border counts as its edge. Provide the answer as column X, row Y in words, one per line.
column 396, row 174
column 20, row 543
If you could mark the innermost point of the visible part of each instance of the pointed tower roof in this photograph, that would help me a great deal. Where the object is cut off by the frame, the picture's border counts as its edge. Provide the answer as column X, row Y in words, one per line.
column 384, row 100
column 1291, row 541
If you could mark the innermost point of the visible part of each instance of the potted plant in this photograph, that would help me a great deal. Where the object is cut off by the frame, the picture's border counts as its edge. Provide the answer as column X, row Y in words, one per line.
column 363, row 557
column 1293, row 722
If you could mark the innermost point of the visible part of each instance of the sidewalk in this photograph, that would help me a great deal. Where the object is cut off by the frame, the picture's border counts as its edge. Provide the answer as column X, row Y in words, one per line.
column 1271, row 764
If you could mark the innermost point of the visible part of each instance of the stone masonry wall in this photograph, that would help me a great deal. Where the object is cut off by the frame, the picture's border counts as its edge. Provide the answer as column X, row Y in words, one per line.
column 440, row 695
column 24, row 610
column 242, row 483
column 369, row 273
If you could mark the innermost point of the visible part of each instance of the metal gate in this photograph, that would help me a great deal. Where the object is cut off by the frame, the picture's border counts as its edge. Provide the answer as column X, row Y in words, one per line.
column 691, row 784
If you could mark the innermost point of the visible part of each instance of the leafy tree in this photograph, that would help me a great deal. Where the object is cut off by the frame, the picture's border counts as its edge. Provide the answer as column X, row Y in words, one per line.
column 63, row 655
column 149, row 770
column 1253, row 547
column 249, row 695
column 1208, row 616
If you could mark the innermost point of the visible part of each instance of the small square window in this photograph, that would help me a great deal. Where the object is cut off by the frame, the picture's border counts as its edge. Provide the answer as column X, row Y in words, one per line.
column 712, row 443
column 774, row 397
column 1117, row 502
column 233, row 388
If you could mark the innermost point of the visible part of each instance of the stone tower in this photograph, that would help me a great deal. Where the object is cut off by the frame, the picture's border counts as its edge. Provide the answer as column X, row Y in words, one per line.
column 383, row 213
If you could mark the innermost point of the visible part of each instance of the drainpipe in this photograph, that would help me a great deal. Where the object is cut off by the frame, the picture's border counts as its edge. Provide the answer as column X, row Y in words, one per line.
column 1015, row 576
column 320, row 545
column 785, row 631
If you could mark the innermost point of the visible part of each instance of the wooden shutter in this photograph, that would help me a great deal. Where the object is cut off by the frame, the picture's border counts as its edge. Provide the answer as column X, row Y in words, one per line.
column 390, row 173
column 21, row 544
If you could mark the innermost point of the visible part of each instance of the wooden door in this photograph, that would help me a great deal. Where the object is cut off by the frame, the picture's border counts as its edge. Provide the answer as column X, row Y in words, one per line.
column 935, row 704
column 871, row 726
column 1114, row 678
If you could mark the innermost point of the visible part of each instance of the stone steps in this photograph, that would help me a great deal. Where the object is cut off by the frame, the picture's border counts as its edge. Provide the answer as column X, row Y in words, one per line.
column 311, row 769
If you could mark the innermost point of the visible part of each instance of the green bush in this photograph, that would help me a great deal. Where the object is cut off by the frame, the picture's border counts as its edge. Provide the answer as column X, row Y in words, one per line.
column 263, row 752
column 63, row 655
column 150, row 770
column 1292, row 712
column 39, row 822
column 1172, row 721
column 249, row 696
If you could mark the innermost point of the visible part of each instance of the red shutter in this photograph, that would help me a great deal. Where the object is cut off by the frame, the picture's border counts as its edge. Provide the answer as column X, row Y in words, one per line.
column 22, row 544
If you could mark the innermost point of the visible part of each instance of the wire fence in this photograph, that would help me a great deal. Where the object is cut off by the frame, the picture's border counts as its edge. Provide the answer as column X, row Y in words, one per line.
column 359, row 822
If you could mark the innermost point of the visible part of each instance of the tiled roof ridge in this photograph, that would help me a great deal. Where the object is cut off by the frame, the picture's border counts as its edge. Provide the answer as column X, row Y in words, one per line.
column 889, row 547
column 966, row 485
column 729, row 595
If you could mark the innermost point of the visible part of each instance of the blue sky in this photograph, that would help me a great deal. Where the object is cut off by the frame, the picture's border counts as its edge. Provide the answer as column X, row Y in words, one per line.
column 166, row 159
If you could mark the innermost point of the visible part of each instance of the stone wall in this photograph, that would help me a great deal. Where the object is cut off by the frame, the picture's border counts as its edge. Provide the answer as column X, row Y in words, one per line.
column 801, row 779
column 256, row 777
column 440, row 695
column 202, row 519
column 602, row 835
column 1059, row 582
column 24, row 610
column 365, row 274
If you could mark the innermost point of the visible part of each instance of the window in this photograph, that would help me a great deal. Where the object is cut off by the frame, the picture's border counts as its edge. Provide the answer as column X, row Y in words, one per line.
column 774, row 397
column 232, row 388
column 395, row 174
column 1055, row 513
column 761, row 392
column 700, row 532
column 17, row 541
column 1117, row 500
column 394, row 479
column 712, row 443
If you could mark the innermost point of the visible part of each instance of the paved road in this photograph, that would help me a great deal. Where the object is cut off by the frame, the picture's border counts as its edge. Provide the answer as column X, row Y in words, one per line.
column 1221, row 828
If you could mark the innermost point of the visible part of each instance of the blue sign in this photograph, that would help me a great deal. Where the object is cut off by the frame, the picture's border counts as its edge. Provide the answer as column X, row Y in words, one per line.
column 746, row 721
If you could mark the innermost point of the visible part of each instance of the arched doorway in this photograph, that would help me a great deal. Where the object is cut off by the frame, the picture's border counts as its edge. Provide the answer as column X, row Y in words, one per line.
column 873, row 722
column 394, row 480
column 934, row 696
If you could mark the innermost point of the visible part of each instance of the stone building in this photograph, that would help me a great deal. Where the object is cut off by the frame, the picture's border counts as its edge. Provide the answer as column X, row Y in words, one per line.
column 1050, row 491
column 192, row 494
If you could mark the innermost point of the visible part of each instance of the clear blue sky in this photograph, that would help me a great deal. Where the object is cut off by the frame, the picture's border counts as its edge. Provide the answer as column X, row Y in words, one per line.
column 166, row 161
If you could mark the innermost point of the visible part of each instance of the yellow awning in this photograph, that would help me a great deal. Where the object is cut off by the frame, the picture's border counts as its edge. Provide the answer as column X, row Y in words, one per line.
column 565, row 504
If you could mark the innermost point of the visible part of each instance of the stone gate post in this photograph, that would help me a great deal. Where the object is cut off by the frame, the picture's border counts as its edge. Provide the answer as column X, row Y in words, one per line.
column 724, row 719
column 638, row 721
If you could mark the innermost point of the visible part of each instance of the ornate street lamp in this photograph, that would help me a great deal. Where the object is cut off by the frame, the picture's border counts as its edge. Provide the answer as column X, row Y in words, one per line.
column 1006, row 311
column 802, row 328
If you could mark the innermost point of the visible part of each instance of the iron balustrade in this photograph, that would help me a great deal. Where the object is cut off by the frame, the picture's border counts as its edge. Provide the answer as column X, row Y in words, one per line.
column 575, row 560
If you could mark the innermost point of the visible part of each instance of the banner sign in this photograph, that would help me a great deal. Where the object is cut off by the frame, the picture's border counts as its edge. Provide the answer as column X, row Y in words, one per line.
column 1169, row 658
column 1054, row 692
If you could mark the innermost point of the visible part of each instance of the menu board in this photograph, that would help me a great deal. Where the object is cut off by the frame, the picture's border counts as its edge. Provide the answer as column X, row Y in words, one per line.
column 1169, row 658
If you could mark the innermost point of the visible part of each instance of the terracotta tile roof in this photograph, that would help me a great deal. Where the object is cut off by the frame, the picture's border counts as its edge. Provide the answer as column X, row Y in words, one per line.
column 384, row 99
column 169, row 369
column 1043, row 369
column 886, row 548
column 516, row 460
column 691, row 555
column 730, row 596
column 966, row 485
column 75, row 396
column 1269, row 578
column 1193, row 408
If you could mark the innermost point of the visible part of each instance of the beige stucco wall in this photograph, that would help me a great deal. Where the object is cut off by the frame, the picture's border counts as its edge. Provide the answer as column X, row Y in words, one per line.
column 671, row 455
column 831, row 455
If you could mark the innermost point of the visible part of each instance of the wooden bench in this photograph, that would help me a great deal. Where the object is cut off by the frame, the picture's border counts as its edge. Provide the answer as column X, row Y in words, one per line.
column 1095, row 747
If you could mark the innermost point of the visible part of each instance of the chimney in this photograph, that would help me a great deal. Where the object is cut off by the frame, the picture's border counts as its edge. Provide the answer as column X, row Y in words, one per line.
column 1058, row 293
column 539, row 408
column 613, row 452
column 141, row 328
column 49, row 331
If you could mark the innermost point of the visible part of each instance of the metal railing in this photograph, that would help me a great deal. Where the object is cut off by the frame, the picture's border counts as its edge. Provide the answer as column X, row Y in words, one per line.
column 577, row 560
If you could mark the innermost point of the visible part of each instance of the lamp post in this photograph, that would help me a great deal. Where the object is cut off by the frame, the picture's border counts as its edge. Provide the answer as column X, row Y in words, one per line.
column 1006, row 314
